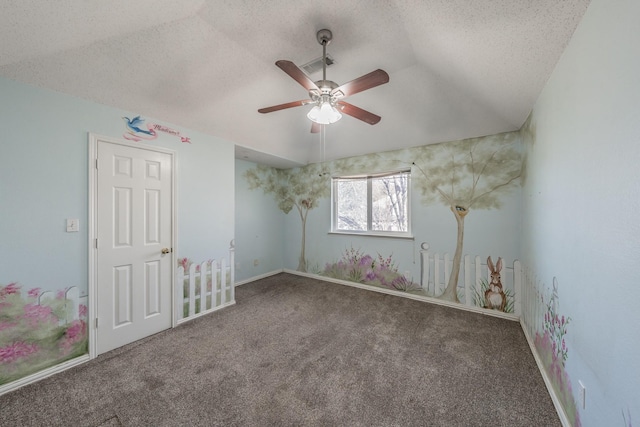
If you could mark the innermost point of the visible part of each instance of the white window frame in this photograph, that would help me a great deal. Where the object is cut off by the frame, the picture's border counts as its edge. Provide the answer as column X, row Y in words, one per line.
column 369, row 232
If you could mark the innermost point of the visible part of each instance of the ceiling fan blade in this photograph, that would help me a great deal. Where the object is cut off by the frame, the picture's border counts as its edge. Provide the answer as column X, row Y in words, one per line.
column 315, row 127
column 285, row 106
column 297, row 74
column 358, row 113
column 373, row 79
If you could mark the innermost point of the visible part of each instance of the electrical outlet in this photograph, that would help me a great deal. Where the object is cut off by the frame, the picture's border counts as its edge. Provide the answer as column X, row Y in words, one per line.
column 582, row 392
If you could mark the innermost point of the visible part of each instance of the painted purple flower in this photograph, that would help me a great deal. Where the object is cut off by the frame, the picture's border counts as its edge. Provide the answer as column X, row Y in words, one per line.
column 15, row 351
column 365, row 261
column 370, row 276
column 82, row 310
column 61, row 294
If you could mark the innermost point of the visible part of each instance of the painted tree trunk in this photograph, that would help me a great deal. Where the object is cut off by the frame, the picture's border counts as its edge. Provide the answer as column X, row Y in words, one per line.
column 451, row 291
column 302, row 262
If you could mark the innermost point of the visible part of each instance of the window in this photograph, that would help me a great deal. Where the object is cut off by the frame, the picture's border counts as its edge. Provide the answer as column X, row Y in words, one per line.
column 375, row 204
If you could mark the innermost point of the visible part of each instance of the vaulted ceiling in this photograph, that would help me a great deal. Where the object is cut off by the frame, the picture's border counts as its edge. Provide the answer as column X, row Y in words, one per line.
column 458, row 68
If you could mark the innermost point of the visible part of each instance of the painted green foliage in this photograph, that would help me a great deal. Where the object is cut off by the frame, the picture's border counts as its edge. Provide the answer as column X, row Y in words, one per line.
column 464, row 175
column 301, row 188
column 35, row 334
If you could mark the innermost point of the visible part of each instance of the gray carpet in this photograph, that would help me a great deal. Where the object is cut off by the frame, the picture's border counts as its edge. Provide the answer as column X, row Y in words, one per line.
column 297, row 351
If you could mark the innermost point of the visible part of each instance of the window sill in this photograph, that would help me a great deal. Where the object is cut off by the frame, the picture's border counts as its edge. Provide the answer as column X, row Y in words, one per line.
column 370, row 234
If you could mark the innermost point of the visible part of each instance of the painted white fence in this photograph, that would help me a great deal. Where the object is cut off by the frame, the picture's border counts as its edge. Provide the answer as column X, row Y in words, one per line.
column 435, row 270
column 71, row 302
column 534, row 308
column 205, row 288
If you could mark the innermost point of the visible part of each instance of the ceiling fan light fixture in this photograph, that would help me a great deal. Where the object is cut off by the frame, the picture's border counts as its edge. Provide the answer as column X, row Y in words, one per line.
column 324, row 114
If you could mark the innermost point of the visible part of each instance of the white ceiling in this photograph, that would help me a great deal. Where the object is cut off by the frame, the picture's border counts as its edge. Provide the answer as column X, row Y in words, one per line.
column 458, row 68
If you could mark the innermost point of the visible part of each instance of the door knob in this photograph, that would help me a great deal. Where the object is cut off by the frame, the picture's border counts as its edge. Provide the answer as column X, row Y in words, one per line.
column 165, row 251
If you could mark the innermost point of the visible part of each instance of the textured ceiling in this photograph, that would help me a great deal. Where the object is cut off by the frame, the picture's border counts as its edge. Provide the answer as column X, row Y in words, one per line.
column 457, row 68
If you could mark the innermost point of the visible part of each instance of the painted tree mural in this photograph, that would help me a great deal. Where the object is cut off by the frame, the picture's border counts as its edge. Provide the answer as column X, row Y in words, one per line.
column 464, row 175
column 301, row 188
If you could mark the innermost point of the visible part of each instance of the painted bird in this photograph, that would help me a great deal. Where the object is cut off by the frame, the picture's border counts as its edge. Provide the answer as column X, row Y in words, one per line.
column 132, row 124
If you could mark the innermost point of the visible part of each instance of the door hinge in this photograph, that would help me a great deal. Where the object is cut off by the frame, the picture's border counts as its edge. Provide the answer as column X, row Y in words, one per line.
column 96, row 243
column 96, row 323
column 96, row 163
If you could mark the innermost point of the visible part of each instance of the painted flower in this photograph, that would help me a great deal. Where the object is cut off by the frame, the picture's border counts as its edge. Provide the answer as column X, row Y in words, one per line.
column 35, row 313
column 370, row 275
column 365, row 261
column 74, row 334
column 11, row 288
column 82, row 310
column 15, row 351
column 61, row 293
column 34, row 293
column 184, row 263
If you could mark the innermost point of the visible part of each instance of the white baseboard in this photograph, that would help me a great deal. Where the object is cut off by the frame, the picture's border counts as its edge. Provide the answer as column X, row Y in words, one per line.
column 547, row 381
column 261, row 276
column 430, row 300
column 14, row 385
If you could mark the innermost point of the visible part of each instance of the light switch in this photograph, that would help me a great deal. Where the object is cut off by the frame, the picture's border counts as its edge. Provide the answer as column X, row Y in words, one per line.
column 73, row 224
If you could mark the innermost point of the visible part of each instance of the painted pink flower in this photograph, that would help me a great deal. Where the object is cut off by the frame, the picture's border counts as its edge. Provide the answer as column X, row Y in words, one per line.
column 75, row 333
column 35, row 313
column 15, row 351
column 34, row 293
column 82, row 310
column 184, row 263
column 11, row 288
column 61, row 294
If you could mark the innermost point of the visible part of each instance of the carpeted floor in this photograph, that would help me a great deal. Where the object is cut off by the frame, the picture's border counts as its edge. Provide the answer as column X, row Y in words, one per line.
column 297, row 351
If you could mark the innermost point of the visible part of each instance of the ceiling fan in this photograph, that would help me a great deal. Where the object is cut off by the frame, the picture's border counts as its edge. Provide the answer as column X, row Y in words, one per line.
column 325, row 95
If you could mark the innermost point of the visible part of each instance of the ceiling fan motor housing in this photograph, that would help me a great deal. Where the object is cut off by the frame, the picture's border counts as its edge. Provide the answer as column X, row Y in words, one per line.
column 324, row 36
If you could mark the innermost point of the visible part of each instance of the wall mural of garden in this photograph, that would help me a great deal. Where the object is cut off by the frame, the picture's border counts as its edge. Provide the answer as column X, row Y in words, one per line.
column 460, row 176
column 39, row 329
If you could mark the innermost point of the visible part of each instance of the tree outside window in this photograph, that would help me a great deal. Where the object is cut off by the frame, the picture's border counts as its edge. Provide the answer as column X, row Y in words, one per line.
column 373, row 204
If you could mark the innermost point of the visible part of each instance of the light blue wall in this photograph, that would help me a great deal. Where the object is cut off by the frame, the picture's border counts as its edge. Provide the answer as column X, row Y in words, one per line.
column 44, row 180
column 259, row 229
column 581, row 204
column 492, row 232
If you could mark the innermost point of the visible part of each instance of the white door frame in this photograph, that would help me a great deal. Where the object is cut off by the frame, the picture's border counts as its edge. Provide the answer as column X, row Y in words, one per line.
column 92, row 295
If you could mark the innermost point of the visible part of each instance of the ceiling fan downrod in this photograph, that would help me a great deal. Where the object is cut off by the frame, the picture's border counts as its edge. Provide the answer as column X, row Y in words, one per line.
column 324, row 37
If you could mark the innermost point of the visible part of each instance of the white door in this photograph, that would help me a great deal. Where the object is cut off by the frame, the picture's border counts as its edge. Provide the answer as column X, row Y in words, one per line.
column 134, row 263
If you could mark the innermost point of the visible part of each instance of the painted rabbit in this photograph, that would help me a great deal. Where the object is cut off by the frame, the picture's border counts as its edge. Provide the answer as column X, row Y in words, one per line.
column 494, row 296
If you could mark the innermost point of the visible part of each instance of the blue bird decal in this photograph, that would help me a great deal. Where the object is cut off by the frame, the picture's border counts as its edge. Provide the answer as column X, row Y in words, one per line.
column 132, row 124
